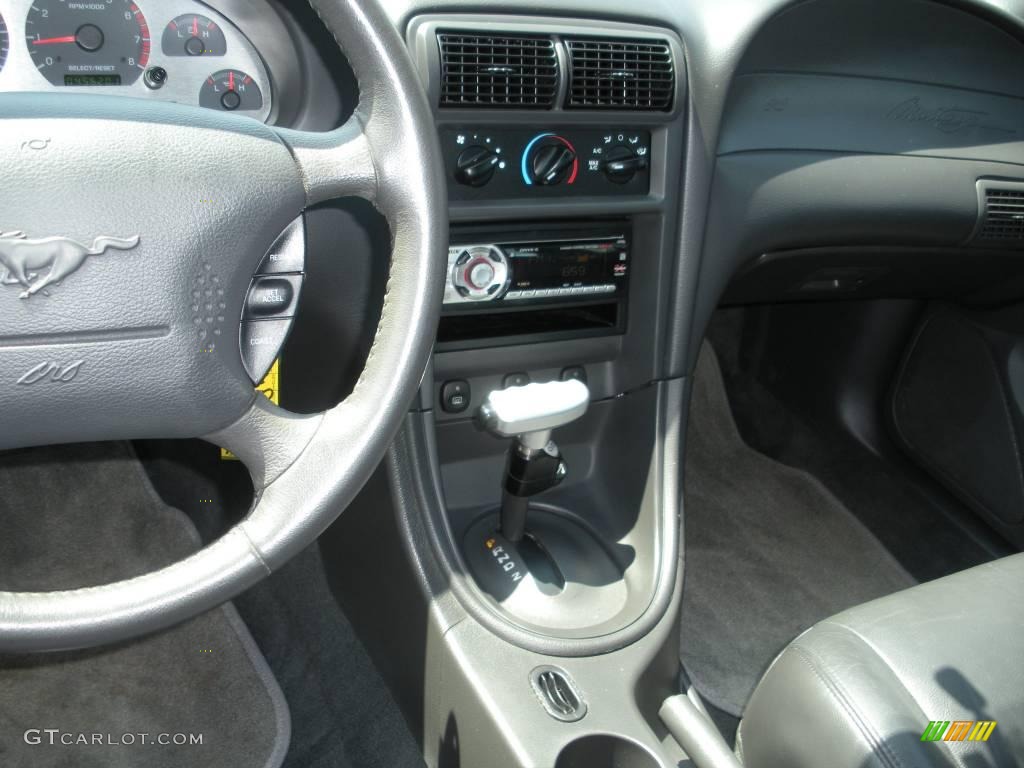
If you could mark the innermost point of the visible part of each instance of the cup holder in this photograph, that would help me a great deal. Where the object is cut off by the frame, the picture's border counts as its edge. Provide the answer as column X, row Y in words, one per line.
column 605, row 751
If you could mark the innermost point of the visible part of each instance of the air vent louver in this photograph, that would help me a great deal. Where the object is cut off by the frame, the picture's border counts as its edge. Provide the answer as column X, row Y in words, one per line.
column 1004, row 217
column 490, row 71
column 620, row 74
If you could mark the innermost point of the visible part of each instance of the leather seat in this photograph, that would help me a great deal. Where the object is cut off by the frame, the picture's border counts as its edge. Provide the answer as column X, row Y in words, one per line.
column 858, row 690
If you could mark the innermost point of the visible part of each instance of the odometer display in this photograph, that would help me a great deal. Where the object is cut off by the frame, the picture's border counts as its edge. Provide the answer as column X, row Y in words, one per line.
column 88, row 42
column 92, row 79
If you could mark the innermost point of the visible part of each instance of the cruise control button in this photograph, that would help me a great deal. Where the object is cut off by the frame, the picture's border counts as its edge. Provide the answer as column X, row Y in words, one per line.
column 288, row 253
column 260, row 343
column 273, row 297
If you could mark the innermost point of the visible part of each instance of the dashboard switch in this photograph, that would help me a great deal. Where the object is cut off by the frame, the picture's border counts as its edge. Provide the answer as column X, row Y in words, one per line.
column 155, row 78
column 455, row 396
column 515, row 380
column 574, row 372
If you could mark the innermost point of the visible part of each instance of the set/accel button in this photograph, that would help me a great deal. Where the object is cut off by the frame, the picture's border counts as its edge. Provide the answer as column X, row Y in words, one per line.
column 274, row 296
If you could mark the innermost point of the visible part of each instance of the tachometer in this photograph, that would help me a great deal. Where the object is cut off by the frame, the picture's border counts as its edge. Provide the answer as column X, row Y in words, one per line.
column 88, row 42
column 3, row 42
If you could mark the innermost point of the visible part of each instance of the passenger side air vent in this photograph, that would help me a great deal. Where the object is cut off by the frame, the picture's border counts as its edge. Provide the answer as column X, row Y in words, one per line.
column 490, row 71
column 1003, row 222
column 620, row 74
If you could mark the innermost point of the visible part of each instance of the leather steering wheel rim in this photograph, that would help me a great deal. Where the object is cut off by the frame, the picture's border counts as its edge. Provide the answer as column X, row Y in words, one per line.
column 306, row 469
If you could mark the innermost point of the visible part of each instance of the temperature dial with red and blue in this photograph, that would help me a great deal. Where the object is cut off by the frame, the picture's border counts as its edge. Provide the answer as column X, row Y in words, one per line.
column 549, row 159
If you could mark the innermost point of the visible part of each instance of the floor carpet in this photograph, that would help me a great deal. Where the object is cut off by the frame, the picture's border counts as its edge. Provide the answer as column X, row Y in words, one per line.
column 343, row 713
column 85, row 515
column 769, row 552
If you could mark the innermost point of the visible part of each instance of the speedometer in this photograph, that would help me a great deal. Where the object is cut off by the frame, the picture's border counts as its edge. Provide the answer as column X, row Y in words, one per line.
column 88, row 42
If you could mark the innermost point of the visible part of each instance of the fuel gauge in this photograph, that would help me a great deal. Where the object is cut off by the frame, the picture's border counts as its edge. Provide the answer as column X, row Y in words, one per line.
column 194, row 35
column 231, row 90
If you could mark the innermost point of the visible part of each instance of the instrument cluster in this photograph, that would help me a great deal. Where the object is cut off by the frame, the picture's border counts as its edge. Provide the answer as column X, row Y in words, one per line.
column 173, row 50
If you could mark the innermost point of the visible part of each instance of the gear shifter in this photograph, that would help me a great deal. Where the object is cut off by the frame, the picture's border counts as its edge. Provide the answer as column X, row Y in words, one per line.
column 534, row 464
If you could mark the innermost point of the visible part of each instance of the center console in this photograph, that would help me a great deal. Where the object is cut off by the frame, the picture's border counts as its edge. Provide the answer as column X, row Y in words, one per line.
column 540, row 463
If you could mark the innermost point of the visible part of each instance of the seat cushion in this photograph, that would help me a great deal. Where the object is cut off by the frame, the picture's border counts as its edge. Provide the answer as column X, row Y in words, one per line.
column 859, row 690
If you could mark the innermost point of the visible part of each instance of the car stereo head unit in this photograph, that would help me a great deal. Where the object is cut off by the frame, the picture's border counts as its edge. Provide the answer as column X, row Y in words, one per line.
column 525, row 272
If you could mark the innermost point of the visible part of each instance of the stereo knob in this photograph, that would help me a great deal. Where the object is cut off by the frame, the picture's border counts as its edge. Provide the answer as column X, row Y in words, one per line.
column 550, row 159
column 479, row 273
column 622, row 164
column 475, row 166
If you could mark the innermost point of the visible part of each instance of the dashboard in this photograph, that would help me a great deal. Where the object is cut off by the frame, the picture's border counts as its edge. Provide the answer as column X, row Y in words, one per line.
column 173, row 50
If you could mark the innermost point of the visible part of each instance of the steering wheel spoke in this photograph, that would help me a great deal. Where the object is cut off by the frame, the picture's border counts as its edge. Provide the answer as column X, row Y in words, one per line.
column 334, row 164
column 267, row 439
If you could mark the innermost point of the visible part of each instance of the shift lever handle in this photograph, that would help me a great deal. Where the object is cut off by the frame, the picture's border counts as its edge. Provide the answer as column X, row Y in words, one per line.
column 534, row 464
column 531, row 412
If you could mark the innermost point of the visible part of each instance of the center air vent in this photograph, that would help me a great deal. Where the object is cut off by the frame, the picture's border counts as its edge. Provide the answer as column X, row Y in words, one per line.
column 620, row 74
column 558, row 694
column 490, row 71
column 1003, row 222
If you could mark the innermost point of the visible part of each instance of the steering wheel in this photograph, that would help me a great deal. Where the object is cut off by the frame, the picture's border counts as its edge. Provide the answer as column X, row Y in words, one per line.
column 113, row 350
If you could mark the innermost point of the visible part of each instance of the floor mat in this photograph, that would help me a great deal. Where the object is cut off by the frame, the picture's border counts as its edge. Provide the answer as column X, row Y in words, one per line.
column 344, row 715
column 929, row 532
column 76, row 516
column 769, row 552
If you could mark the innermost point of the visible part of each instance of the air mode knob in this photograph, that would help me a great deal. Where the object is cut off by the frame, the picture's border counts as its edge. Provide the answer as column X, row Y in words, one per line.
column 622, row 164
column 476, row 165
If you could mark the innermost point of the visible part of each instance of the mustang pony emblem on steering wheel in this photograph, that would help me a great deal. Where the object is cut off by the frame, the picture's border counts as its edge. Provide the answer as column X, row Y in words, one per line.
column 22, row 260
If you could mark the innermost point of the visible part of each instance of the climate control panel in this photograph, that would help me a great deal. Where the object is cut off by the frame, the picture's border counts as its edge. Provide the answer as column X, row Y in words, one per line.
column 504, row 163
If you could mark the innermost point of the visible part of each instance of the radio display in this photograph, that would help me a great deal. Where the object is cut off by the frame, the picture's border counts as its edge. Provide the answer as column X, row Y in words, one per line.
column 556, row 265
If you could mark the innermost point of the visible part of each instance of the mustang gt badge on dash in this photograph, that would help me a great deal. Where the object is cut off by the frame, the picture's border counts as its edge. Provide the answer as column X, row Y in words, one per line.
column 36, row 264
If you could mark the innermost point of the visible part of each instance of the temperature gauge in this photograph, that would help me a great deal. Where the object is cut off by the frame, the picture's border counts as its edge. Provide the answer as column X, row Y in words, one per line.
column 231, row 90
column 194, row 35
